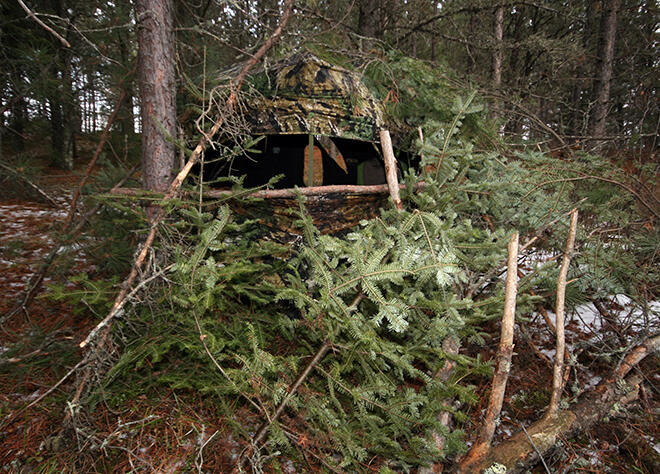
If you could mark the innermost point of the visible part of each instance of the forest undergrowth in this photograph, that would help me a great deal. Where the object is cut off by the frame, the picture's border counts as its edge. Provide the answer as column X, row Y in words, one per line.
column 343, row 353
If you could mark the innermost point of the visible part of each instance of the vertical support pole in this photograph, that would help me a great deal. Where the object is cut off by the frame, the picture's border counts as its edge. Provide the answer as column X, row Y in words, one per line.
column 504, row 354
column 390, row 168
column 558, row 369
column 310, row 161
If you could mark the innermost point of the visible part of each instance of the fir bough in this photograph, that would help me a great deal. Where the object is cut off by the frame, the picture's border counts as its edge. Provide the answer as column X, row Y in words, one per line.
column 240, row 316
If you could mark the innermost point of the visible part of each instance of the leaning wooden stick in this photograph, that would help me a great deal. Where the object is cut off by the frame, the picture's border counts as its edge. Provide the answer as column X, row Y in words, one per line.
column 558, row 370
column 178, row 180
column 504, row 354
column 390, row 168
column 315, row 360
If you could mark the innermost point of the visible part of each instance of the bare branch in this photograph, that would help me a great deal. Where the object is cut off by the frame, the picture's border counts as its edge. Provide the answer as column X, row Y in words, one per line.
column 43, row 25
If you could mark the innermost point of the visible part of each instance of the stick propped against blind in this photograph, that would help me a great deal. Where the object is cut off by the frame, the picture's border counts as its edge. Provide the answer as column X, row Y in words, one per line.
column 390, row 168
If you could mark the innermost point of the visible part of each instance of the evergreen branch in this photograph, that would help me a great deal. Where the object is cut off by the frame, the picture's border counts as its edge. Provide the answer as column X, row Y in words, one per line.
column 208, row 236
column 364, row 399
column 202, row 338
column 178, row 181
column 584, row 176
column 416, row 271
column 264, row 427
column 459, row 115
column 117, row 310
column 426, row 232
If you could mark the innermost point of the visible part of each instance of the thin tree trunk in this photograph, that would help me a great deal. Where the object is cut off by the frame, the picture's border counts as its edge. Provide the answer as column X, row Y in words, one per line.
column 57, row 131
column 498, row 52
column 69, row 111
column 126, row 119
column 18, row 112
column 601, row 92
column 93, row 104
column 434, row 37
column 157, row 91
column 368, row 21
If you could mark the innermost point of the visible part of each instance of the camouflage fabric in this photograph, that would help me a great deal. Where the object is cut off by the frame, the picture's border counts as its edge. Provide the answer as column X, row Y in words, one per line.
column 308, row 95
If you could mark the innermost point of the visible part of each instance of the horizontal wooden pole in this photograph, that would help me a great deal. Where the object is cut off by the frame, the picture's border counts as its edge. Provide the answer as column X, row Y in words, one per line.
column 281, row 193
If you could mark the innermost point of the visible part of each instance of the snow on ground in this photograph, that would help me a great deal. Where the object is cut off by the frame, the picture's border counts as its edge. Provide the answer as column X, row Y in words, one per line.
column 26, row 238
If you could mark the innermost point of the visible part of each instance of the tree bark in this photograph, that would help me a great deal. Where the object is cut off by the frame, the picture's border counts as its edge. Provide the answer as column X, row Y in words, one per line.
column 558, row 368
column 368, row 20
column 57, row 131
column 498, row 52
column 125, row 119
column 157, row 91
column 601, row 92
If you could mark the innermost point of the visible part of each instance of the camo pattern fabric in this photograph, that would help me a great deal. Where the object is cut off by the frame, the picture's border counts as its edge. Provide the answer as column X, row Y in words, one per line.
column 308, row 95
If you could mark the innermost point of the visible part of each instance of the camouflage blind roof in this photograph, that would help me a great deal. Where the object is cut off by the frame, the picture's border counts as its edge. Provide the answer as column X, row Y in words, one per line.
column 305, row 94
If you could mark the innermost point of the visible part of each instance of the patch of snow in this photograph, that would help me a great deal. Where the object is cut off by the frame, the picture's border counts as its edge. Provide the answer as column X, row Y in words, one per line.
column 588, row 316
column 32, row 397
column 592, row 382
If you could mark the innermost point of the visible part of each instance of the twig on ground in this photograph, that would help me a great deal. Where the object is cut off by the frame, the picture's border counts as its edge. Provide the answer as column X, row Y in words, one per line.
column 261, row 432
column 530, row 343
column 531, row 441
column 39, row 191
column 118, row 310
column 34, row 285
column 18, row 413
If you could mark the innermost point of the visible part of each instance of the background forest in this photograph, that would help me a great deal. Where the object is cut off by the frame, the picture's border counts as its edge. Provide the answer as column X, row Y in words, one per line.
column 382, row 349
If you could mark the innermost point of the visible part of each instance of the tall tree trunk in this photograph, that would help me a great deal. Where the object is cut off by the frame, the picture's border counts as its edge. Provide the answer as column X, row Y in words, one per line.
column 126, row 119
column 498, row 52
column 157, row 91
column 69, row 110
column 17, row 122
column 368, row 20
column 62, row 107
column 601, row 92
column 58, row 158
column 434, row 37
column 92, row 102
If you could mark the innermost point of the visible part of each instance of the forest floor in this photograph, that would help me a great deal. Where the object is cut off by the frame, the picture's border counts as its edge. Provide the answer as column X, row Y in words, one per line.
column 179, row 431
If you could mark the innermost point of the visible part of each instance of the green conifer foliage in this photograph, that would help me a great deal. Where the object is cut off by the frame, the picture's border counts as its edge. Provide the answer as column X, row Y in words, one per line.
column 239, row 316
